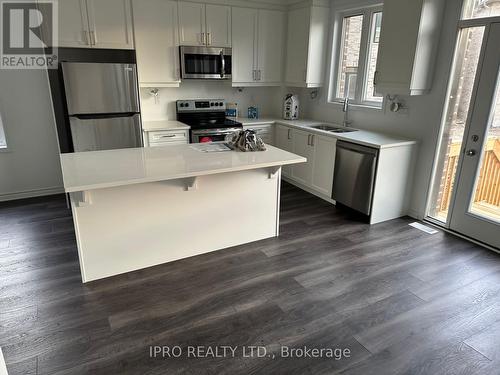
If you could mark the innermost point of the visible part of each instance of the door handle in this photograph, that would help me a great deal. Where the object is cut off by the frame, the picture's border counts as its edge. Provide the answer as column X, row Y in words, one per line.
column 223, row 64
column 470, row 152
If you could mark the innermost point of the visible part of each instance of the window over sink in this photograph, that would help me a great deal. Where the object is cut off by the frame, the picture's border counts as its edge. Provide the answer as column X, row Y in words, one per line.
column 355, row 47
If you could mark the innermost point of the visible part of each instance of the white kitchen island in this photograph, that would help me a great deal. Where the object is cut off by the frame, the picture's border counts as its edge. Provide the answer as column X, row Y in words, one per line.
column 139, row 207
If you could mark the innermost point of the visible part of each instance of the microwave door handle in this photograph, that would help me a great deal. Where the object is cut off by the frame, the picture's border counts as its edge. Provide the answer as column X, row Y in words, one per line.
column 223, row 64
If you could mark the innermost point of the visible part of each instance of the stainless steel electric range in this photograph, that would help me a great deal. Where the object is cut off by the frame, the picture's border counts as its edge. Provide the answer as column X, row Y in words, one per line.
column 207, row 119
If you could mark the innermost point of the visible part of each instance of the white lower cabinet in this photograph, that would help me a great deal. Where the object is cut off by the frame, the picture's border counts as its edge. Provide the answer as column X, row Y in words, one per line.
column 317, row 173
column 323, row 163
column 166, row 138
column 302, row 146
column 283, row 139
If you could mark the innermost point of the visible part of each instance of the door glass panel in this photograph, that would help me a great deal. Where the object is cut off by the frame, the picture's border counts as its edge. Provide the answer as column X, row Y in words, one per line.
column 481, row 8
column 486, row 199
column 457, row 110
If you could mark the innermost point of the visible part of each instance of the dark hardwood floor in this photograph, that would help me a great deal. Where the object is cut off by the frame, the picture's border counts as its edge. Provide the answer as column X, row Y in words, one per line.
column 402, row 301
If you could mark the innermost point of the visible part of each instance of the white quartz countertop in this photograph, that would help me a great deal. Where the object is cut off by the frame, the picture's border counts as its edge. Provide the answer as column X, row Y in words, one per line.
column 149, row 126
column 363, row 137
column 111, row 168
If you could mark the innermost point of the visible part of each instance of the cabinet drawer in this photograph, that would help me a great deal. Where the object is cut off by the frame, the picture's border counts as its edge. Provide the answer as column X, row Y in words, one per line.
column 158, row 144
column 168, row 136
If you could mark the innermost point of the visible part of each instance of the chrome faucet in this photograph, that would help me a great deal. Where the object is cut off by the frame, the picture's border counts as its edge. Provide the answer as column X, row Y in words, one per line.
column 345, row 109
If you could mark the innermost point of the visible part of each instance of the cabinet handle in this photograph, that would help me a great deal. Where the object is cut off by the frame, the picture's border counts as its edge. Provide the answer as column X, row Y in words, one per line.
column 309, row 139
column 375, row 75
column 86, row 37
column 312, row 139
column 167, row 136
column 93, row 39
column 203, row 40
column 253, row 75
column 209, row 39
column 288, row 135
column 260, row 74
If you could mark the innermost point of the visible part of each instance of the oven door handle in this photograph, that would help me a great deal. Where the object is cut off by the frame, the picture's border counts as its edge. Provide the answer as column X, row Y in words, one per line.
column 223, row 64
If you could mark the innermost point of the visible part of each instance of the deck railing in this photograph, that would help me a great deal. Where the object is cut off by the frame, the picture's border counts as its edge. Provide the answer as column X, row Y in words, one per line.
column 488, row 187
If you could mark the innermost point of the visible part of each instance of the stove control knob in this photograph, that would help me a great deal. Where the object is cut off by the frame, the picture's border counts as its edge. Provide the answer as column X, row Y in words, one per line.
column 221, row 104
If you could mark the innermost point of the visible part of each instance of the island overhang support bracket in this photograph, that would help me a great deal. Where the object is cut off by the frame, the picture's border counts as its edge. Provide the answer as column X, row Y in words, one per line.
column 82, row 198
column 190, row 183
column 273, row 171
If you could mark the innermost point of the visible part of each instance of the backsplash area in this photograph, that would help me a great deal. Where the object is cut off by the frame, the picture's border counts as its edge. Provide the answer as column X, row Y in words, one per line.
column 267, row 99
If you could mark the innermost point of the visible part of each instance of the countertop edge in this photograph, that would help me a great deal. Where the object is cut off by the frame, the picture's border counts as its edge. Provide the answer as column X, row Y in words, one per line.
column 181, row 176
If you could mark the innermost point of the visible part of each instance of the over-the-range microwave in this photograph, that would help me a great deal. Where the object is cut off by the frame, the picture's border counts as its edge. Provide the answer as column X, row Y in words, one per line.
column 205, row 62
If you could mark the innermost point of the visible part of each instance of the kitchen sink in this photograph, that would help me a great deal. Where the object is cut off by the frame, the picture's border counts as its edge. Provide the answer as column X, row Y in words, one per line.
column 333, row 129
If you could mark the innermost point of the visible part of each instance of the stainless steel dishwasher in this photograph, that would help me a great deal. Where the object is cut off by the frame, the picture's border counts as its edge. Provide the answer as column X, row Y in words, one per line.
column 354, row 176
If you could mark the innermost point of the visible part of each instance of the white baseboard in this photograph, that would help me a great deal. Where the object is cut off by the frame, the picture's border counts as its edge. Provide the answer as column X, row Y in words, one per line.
column 415, row 214
column 31, row 193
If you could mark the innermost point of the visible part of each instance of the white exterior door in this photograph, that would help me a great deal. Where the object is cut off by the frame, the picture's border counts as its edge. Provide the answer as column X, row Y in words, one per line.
column 323, row 164
column 218, row 25
column 156, row 39
column 476, row 208
column 73, row 24
column 302, row 146
column 270, row 44
column 244, row 31
column 192, row 24
column 110, row 23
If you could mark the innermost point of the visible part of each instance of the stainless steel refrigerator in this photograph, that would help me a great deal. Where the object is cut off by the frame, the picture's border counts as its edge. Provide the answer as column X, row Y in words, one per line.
column 103, row 105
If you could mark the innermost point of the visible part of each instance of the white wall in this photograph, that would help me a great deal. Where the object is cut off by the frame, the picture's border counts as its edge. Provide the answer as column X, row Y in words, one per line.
column 422, row 122
column 30, row 166
column 267, row 99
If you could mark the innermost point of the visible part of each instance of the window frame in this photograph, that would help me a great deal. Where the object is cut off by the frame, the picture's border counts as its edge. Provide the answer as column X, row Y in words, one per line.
column 368, row 12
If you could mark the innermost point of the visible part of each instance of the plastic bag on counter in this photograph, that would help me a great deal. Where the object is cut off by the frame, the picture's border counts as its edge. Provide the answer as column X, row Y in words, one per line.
column 245, row 140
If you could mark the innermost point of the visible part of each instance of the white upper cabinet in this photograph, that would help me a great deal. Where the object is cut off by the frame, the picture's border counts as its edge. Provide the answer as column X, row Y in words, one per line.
column 306, row 46
column 192, row 24
column 110, row 23
column 408, row 46
column 156, row 42
column 218, row 24
column 95, row 24
column 73, row 24
column 204, row 24
column 258, row 40
column 270, row 46
column 244, row 35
